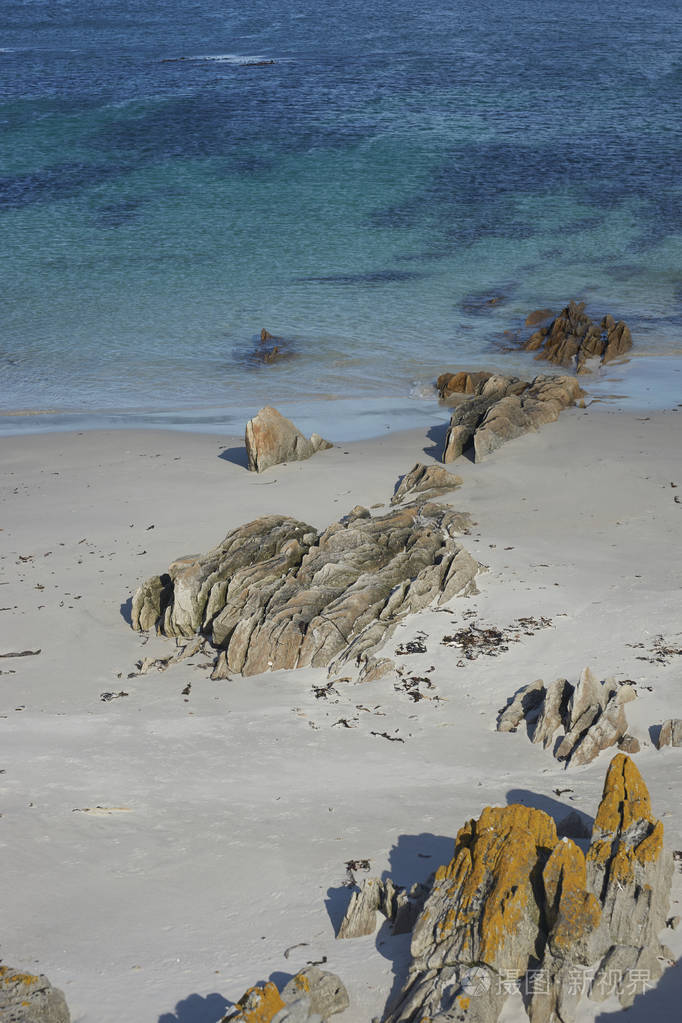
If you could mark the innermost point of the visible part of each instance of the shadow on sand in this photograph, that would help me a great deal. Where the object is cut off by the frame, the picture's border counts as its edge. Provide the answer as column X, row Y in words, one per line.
column 198, row 1009
column 236, row 455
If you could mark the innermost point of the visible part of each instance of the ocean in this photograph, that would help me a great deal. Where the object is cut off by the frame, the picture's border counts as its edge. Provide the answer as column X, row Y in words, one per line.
column 389, row 188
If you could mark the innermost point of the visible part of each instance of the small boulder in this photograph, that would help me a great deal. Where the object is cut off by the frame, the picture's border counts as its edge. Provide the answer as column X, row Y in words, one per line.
column 425, row 481
column 670, row 733
column 272, row 440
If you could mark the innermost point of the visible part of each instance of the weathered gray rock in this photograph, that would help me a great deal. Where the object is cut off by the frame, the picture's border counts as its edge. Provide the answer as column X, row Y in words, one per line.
column 30, row 998
column 519, row 905
column 271, row 440
column 396, row 904
column 670, row 733
column 503, row 408
column 425, row 481
column 325, row 991
column 572, row 339
column 590, row 713
column 278, row 594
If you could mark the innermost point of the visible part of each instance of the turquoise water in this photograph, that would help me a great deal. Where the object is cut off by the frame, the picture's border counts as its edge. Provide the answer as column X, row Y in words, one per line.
column 164, row 195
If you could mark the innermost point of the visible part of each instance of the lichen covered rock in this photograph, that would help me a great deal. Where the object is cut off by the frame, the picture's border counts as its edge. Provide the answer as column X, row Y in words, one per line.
column 278, row 594
column 30, row 998
column 517, row 905
column 572, row 339
column 502, row 408
column 590, row 713
column 311, row 996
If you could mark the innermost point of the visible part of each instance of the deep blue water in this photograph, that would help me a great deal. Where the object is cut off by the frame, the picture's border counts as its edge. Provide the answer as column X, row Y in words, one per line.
column 164, row 194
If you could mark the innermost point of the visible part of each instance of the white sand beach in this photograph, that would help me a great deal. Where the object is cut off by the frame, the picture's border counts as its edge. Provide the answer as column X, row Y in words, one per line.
column 164, row 849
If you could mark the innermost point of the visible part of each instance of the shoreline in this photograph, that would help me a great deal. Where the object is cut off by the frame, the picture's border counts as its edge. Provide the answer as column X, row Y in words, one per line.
column 638, row 383
column 177, row 843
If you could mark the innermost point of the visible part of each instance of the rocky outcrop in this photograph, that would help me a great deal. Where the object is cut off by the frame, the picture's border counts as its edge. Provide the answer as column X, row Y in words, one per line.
column 502, row 408
column 30, row 998
column 572, row 339
column 278, row 594
column 670, row 733
column 519, row 907
column 272, row 440
column 577, row 721
column 396, row 904
column 312, row 996
column 425, row 481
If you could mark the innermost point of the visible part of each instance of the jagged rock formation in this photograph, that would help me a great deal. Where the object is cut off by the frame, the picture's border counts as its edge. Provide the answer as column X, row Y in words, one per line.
column 27, row 998
column 272, row 440
column 278, row 594
column 518, row 907
column 670, row 733
column 425, row 481
column 398, row 905
column 572, row 339
column 502, row 408
column 312, row 996
column 591, row 714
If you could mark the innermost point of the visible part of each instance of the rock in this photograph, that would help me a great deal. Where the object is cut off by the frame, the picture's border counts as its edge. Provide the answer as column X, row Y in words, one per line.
column 150, row 602
column 572, row 338
column 272, row 440
column 325, row 992
column 260, row 1004
column 312, row 996
column 670, row 733
column 503, row 408
column 431, row 481
column 631, row 872
column 460, row 383
column 629, row 744
column 278, row 594
column 395, row 903
column 519, row 905
column 27, row 998
column 221, row 669
column 590, row 713
column 522, row 706
column 376, row 668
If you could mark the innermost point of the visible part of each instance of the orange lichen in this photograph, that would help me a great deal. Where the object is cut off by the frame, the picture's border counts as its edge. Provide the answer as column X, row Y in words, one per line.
column 302, row 982
column 259, row 1004
column 463, row 1002
column 8, row 976
column 494, row 857
column 573, row 910
column 625, row 801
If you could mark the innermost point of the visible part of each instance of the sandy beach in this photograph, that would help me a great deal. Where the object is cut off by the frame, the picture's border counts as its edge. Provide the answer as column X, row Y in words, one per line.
column 168, row 845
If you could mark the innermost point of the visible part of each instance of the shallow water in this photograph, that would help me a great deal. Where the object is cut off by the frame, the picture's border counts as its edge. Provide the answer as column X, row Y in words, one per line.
column 164, row 195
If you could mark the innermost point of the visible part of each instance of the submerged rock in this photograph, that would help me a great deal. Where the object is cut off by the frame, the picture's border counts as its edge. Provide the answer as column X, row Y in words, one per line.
column 518, row 907
column 30, row 998
column 502, row 408
column 591, row 714
column 272, row 440
column 572, row 339
column 278, row 594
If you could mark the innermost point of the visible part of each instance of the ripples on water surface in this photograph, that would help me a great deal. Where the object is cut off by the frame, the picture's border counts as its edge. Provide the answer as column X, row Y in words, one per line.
column 165, row 192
